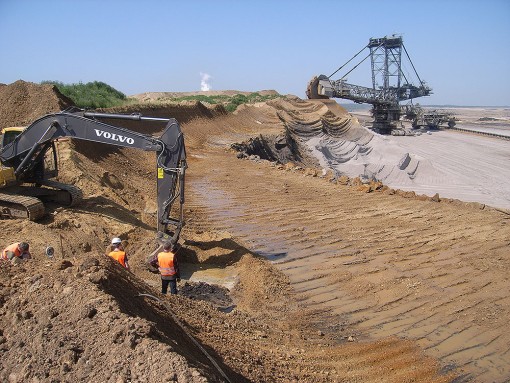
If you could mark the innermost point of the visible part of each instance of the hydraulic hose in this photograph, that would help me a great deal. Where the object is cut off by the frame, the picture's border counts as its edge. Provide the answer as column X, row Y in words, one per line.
column 179, row 323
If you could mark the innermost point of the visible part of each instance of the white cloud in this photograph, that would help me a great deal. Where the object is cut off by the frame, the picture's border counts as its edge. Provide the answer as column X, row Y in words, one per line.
column 204, row 82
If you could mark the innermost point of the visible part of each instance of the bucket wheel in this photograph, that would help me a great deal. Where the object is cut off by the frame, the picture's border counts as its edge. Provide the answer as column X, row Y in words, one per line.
column 312, row 90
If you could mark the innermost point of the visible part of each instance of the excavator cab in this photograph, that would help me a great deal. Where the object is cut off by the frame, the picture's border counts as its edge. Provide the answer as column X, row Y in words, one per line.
column 45, row 169
column 20, row 200
column 8, row 135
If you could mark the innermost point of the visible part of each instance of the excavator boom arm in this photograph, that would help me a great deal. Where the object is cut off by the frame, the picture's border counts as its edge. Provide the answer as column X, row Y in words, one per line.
column 75, row 125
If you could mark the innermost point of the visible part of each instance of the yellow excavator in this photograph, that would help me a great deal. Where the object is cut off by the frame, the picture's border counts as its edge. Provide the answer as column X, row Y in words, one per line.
column 8, row 135
column 29, row 162
column 18, row 199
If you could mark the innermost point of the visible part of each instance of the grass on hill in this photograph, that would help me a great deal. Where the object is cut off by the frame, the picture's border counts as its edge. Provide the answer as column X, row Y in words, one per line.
column 91, row 95
column 230, row 102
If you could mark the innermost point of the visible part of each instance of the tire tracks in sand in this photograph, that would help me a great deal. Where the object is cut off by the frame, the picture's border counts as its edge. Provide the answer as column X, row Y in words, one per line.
column 434, row 273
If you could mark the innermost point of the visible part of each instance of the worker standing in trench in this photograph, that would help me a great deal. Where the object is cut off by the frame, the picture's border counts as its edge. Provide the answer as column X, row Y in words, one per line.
column 166, row 261
column 118, row 253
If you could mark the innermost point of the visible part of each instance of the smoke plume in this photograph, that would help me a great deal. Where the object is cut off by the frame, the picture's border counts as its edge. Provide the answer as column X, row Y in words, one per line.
column 204, row 82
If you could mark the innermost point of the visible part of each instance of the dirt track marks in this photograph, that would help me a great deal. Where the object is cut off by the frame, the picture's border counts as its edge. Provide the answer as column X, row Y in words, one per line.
column 392, row 266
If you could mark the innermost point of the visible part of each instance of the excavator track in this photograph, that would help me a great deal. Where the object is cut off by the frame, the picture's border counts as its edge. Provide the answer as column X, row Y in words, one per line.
column 66, row 194
column 28, row 201
column 17, row 206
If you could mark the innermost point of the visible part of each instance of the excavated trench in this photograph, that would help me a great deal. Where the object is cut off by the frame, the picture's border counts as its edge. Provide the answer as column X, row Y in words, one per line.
column 355, row 262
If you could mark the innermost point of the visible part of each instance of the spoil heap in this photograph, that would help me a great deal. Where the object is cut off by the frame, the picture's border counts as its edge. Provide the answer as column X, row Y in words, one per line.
column 22, row 102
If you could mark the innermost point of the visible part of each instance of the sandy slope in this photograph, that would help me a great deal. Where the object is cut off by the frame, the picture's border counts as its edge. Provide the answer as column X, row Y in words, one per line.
column 467, row 167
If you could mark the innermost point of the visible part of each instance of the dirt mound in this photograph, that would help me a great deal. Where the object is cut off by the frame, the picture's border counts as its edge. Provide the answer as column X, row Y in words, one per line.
column 88, row 322
column 300, row 121
column 22, row 102
column 183, row 112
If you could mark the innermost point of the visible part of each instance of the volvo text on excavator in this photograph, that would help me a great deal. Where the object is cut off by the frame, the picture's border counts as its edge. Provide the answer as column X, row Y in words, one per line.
column 29, row 162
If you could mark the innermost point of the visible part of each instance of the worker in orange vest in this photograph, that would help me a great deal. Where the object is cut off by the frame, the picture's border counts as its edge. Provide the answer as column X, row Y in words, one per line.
column 166, row 261
column 118, row 253
column 18, row 250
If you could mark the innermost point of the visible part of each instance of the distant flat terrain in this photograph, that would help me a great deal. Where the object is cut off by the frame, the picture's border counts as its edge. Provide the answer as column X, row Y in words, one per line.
column 469, row 167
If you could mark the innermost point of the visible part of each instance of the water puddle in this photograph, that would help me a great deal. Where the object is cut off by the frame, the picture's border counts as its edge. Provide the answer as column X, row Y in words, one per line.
column 211, row 274
column 257, row 238
column 210, row 283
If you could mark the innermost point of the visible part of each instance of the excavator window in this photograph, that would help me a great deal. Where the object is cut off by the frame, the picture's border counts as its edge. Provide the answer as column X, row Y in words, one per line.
column 9, row 135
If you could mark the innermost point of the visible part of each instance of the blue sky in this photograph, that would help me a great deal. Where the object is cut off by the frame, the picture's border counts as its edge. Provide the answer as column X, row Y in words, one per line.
column 460, row 47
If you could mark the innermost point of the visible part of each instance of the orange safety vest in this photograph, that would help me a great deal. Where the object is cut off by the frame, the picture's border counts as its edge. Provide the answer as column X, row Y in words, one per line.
column 119, row 256
column 14, row 248
column 166, row 263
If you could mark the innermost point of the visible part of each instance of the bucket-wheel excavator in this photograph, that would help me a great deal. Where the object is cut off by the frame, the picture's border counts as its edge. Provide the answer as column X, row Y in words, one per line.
column 390, row 85
column 29, row 160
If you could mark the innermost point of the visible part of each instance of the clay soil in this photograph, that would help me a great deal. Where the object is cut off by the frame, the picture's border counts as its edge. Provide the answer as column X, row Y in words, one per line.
column 289, row 273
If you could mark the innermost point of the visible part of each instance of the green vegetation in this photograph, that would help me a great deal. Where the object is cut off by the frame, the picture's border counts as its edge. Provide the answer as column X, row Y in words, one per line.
column 230, row 102
column 91, row 95
column 219, row 99
column 239, row 99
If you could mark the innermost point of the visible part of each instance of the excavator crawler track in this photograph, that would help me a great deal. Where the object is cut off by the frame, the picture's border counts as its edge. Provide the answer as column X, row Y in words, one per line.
column 70, row 196
column 16, row 206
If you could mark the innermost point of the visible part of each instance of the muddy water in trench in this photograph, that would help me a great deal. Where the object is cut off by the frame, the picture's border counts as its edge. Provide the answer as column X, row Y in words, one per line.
column 211, row 274
column 412, row 287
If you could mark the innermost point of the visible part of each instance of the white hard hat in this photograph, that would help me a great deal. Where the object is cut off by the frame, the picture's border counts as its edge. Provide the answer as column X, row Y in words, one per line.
column 116, row 241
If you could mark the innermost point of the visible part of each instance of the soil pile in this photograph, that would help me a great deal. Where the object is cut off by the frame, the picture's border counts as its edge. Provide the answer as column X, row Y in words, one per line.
column 22, row 102
column 183, row 112
column 87, row 322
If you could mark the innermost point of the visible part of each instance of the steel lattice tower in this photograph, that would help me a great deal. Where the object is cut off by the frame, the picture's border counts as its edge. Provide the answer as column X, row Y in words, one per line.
column 385, row 54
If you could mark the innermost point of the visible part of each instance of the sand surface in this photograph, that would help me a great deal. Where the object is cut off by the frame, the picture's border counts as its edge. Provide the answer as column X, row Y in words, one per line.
column 468, row 167
column 375, row 265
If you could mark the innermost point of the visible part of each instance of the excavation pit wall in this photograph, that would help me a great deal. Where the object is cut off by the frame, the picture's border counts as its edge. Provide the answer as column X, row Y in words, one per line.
column 281, row 149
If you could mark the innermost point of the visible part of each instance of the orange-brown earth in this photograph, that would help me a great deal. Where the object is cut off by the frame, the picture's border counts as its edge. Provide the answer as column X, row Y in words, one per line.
column 289, row 275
